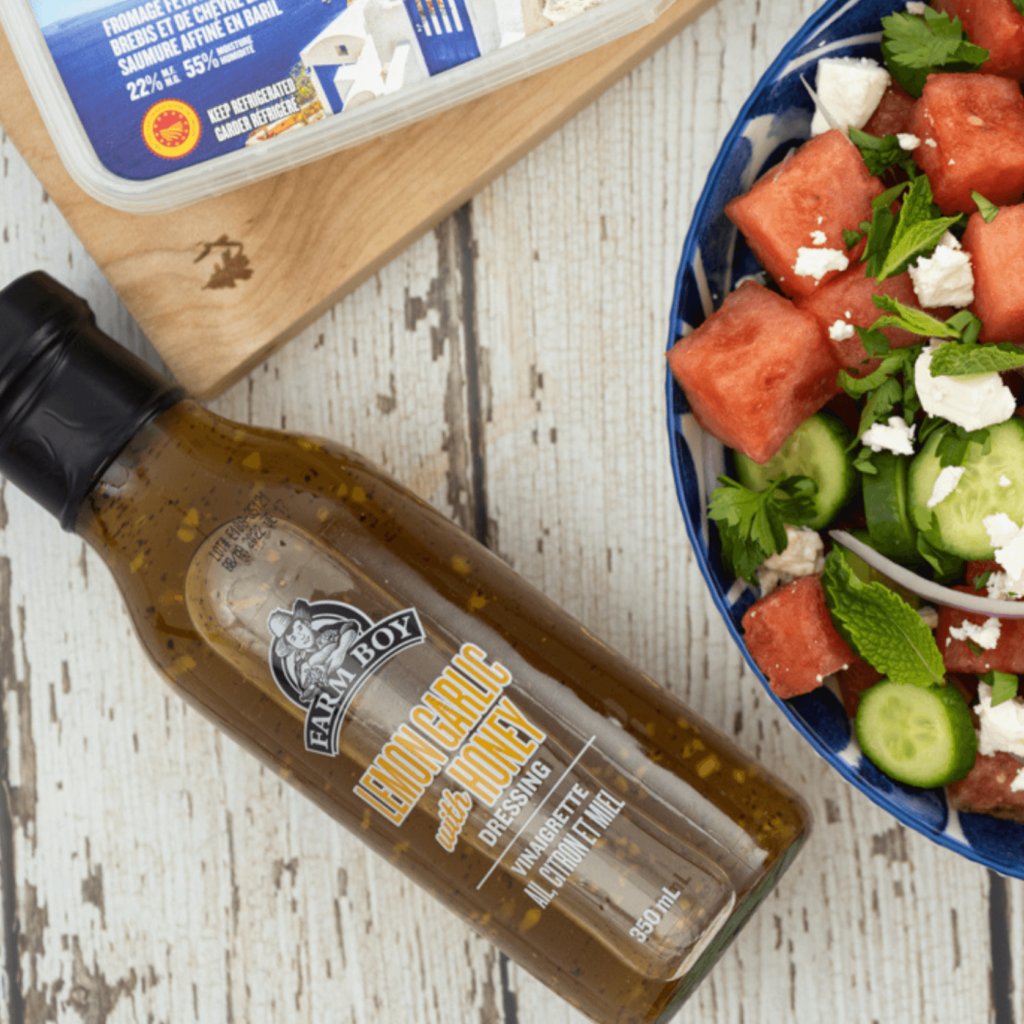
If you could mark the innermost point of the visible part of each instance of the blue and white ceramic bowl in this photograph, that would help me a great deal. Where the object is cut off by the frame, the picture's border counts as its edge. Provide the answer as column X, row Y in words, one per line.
column 775, row 118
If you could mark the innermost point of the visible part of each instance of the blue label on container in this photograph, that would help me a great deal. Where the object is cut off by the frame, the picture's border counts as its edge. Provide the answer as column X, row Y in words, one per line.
column 164, row 84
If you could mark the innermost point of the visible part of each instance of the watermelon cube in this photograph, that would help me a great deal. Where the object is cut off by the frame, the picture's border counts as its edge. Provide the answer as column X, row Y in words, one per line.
column 996, row 25
column 848, row 298
column 963, row 656
column 997, row 257
column 790, row 635
column 972, row 137
column 975, row 571
column 893, row 113
column 853, row 681
column 755, row 370
column 806, row 202
column 986, row 790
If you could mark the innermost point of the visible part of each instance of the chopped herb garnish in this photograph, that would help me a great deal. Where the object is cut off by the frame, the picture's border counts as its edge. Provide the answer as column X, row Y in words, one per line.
column 752, row 524
column 989, row 211
column 881, row 627
column 916, row 46
column 980, row 582
column 1004, row 686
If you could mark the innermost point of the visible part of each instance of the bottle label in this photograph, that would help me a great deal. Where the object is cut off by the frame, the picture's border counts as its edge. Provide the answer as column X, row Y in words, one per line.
column 325, row 651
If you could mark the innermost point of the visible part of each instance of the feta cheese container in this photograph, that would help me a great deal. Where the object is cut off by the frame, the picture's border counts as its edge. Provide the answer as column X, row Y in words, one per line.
column 156, row 104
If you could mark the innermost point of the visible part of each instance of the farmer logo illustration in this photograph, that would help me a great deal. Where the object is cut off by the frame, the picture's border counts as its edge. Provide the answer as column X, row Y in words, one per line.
column 323, row 651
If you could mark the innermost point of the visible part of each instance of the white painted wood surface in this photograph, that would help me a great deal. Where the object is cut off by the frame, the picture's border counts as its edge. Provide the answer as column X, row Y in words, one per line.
column 509, row 366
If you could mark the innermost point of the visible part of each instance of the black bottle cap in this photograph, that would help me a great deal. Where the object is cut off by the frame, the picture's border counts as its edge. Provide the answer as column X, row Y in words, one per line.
column 70, row 397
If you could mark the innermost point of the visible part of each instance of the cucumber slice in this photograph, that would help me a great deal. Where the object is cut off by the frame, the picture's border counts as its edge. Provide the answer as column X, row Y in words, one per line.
column 920, row 735
column 959, row 529
column 886, row 509
column 816, row 449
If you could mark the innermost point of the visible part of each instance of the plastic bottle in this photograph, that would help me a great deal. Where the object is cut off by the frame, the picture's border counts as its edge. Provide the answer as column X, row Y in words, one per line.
column 399, row 674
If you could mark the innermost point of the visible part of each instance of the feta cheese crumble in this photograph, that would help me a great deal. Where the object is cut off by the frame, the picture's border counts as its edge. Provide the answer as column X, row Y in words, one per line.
column 1008, row 541
column 945, row 278
column 917, row 7
column 817, row 263
column 986, row 635
column 804, row 556
column 895, row 436
column 1002, row 726
column 907, row 141
column 945, row 484
column 818, row 237
column 849, row 89
column 1004, row 480
column 981, row 400
column 841, row 330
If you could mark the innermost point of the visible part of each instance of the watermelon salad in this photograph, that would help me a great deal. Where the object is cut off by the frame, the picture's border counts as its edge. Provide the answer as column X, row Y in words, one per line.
column 869, row 386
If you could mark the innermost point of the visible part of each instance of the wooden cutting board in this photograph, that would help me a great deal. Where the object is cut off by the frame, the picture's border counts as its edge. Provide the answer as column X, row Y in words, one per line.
column 218, row 286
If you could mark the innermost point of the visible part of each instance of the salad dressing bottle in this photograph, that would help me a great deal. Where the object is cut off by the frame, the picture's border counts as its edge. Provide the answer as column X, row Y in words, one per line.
column 399, row 674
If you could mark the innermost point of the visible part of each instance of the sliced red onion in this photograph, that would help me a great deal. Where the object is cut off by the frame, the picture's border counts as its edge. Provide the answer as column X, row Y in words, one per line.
column 933, row 592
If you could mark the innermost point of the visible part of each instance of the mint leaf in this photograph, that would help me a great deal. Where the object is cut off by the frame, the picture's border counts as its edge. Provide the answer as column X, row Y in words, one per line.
column 913, row 47
column 910, row 319
column 752, row 524
column 989, row 211
column 963, row 360
column 1004, row 686
column 881, row 627
column 916, row 233
column 883, row 154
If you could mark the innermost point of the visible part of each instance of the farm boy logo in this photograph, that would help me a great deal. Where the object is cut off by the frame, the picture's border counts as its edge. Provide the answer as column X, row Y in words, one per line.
column 322, row 654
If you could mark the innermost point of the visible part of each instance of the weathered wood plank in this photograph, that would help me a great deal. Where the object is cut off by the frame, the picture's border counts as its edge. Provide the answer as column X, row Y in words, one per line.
column 160, row 874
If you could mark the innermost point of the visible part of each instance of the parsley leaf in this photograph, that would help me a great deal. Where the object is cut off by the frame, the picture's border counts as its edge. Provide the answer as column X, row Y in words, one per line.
column 881, row 402
column 914, row 47
column 883, row 154
column 980, row 582
column 752, row 524
column 1004, row 686
column 916, row 232
column 881, row 627
column 963, row 360
column 989, row 211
